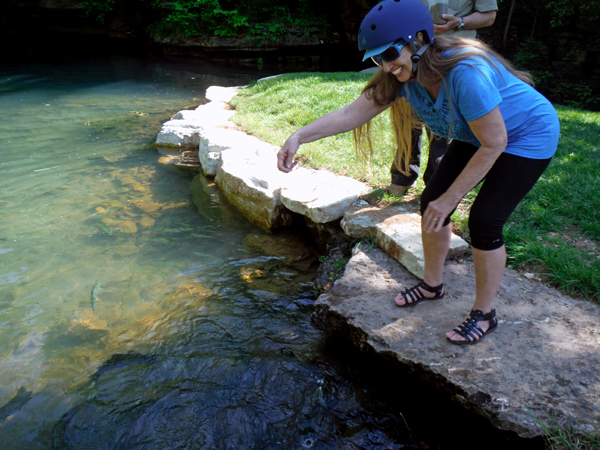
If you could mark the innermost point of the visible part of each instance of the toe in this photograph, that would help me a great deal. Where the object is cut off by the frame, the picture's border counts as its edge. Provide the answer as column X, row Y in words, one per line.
column 399, row 300
column 454, row 336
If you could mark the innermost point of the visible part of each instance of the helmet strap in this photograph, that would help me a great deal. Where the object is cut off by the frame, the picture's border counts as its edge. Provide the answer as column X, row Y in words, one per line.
column 416, row 55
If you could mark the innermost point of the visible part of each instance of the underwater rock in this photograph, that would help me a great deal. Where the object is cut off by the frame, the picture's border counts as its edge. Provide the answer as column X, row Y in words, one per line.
column 126, row 179
column 147, row 222
column 125, row 226
column 85, row 326
column 125, row 250
column 146, row 206
column 288, row 245
column 180, row 161
column 113, row 204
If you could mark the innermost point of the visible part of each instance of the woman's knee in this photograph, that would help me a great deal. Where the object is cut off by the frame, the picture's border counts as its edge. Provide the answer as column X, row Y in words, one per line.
column 485, row 234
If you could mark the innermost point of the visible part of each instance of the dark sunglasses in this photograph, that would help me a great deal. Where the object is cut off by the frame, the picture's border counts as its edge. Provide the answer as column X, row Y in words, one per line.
column 392, row 53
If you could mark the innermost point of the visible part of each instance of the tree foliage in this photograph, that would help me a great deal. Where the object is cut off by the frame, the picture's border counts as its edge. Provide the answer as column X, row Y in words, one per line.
column 557, row 41
column 258, row 19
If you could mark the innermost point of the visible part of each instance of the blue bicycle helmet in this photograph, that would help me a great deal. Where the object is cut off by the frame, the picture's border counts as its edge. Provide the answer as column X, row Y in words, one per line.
column 391, row 20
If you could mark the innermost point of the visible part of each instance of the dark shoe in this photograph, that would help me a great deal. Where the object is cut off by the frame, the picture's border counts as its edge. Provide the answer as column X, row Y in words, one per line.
column 394, row 189
column 414, row 295
column 473, row 332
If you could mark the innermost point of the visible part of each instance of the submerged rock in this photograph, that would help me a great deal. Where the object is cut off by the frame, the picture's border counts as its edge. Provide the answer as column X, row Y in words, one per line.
column 290, row 246
column 124, row 226
column 85, row 326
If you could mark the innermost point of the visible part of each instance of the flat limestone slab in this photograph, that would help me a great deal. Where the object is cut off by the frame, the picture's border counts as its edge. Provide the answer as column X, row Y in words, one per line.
column 221, row 94
column 397, row 231
column 186, row 128
column 252, row 184
column 215, row 140
column 544, row 355
column 319, row 194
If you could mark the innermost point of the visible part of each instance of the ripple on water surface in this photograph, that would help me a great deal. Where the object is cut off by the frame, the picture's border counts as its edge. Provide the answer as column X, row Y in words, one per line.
column 138, row 309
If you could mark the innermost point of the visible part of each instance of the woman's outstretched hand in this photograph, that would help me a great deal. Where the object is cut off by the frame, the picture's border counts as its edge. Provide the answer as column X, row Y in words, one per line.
column 285, row 156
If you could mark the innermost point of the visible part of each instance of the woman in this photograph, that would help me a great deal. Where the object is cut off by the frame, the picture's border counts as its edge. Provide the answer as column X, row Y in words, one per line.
column 504, row 132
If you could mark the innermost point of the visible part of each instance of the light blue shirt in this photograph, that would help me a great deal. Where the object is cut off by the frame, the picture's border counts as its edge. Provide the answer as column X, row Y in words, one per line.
column 474, row 88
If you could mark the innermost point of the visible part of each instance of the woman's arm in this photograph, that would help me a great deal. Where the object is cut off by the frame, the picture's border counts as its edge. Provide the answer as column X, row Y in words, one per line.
column 490, row 130
column 339, row 121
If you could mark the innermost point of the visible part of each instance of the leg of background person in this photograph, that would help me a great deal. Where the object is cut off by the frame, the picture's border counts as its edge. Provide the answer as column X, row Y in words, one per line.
column 437, row 148
column 401, row 182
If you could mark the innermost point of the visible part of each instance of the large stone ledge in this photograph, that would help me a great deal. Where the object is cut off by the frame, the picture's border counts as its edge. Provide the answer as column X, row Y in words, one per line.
column 245, row 168
column 544, row 355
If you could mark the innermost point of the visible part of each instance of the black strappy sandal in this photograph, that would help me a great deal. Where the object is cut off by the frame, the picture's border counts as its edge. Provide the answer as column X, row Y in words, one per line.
column 473, row 332
column 414, row 295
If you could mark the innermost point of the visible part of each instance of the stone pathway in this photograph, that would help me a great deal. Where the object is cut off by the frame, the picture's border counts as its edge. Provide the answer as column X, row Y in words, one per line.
column 544, row 356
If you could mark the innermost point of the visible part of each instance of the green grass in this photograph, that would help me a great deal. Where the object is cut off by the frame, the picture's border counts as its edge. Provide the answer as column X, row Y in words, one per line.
column 557, row 226
column 565, row 437
column 554, row 232
column 274, row 108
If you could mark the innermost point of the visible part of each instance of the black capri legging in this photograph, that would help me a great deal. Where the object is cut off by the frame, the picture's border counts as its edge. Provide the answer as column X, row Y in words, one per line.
column 505, row 185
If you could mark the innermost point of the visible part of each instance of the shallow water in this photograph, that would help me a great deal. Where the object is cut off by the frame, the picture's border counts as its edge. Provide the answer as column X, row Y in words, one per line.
column 137, row 308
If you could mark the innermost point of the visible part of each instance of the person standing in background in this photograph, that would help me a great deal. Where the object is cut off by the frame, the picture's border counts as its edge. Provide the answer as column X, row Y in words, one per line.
column 450, row 17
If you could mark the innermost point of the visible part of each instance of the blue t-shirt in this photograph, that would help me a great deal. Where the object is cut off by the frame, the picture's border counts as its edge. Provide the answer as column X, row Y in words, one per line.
column 474, row 88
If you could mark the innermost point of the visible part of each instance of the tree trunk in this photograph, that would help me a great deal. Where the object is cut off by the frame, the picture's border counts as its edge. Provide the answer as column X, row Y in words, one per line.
column 504, row 38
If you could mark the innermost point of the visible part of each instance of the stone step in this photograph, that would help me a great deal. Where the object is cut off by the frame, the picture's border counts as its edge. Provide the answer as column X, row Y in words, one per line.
column 397, row 231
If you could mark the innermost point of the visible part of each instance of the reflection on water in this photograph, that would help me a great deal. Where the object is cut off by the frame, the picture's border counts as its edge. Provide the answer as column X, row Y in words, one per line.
column 137, row 308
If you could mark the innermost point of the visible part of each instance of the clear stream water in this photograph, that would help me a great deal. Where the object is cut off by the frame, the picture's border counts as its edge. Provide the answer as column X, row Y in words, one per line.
column 137, row 308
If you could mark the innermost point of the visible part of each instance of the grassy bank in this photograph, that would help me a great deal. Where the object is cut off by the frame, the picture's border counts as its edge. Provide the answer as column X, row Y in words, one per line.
column 555, row 231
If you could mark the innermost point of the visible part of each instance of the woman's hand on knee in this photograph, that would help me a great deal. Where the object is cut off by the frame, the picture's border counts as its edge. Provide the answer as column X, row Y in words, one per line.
column 436, row 213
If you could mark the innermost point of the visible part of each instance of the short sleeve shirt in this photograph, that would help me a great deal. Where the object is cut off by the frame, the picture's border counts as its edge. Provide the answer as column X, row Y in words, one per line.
column 475, row 87
column 458, row 8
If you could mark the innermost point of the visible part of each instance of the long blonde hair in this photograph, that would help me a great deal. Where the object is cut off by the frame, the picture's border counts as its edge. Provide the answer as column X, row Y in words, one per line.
column 383, row 88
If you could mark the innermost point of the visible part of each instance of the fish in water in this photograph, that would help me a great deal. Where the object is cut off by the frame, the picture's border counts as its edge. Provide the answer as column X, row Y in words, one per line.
column 95, row 290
